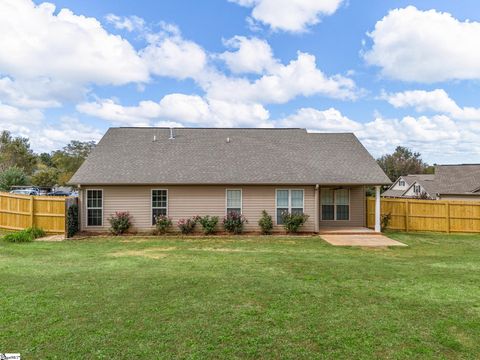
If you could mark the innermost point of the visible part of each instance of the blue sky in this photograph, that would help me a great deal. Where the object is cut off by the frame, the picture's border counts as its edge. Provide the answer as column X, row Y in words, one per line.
column 394, row 72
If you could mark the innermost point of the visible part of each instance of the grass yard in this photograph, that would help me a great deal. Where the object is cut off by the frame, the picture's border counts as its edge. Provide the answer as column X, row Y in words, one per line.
column 245, row 297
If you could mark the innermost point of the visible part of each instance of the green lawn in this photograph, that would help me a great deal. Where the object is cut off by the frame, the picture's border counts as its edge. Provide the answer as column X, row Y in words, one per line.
column 244, row 297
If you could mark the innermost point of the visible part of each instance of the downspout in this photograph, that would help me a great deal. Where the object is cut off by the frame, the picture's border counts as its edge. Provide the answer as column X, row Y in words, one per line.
column 317, row 208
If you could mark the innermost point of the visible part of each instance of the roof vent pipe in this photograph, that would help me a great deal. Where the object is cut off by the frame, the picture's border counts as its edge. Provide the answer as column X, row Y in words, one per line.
column 172, row 133
column 228, row 140
column 154, row 138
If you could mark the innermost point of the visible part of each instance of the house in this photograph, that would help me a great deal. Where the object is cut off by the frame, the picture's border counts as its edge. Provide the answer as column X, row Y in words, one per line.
column 450, row 182
column 184, row 172
column 405, row 183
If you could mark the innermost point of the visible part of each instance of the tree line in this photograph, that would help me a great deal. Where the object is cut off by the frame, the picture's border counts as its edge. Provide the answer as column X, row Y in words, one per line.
column 20, row 165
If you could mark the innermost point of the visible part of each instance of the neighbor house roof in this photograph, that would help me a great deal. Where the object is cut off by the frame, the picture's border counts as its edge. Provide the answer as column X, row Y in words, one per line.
column 228, row 156
column 458, row 179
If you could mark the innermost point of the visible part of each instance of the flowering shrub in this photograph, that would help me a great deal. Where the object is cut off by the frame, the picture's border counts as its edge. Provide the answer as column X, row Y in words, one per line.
column 120, row 222
column 187, row 226
column 209, row 223
column 233, row 222
column 162, row 224
column 266, row 223
column 293, row 222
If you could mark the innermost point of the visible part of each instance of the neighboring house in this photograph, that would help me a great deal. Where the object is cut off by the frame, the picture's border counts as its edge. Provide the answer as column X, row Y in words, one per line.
column 403, row 183
column 450, row 182
column 185, row 172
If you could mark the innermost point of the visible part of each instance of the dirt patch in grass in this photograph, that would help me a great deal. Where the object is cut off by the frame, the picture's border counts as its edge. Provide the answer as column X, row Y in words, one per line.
column 151, row 253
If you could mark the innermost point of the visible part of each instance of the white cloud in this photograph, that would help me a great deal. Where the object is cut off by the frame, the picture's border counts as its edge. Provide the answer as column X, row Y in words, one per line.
column 180, row 109
column 425, row 46
column 37, row 42
column 252, row 55
column 29, row 94
column 330, row 120
column 168, row 54
column 282, row 83
column 382, row 135
column 290, row 15
column 129, row 23
column 436, row 100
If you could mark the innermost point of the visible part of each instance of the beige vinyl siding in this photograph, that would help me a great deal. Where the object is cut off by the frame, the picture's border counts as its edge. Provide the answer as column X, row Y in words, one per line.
column 357, row 210
column 188, row 201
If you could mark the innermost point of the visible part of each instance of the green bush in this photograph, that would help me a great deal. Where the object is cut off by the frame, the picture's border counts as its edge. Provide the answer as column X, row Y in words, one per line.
column 293, row 222
column 266, row 223
column 162, row 224
column 120, row 222
column 233, row 222
column 186, row 226
column 35, row 232
column 386, row 221
column 209, row 223
column 26, row 235
column 72, row 220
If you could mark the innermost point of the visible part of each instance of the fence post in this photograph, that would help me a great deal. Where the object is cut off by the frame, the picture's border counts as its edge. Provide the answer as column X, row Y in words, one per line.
column 407, row 215
column 32, row 199
column 447, row 205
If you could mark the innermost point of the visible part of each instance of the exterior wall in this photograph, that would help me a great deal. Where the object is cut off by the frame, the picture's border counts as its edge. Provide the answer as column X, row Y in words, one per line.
column 188, row 201
column 357, row 211
column 411, row 193
column 397, row 186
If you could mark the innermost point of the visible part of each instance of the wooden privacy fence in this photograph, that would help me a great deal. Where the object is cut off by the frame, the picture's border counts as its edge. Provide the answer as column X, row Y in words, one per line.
column 428, row 215
column 19, row 212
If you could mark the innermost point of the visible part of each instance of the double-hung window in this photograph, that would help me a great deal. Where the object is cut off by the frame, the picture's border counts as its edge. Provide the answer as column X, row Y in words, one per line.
column 234, row 201
column 401, row 183
column 288, row 201
column 416, row 189
column 159, row 204
column 94, row 207
column 335, row 204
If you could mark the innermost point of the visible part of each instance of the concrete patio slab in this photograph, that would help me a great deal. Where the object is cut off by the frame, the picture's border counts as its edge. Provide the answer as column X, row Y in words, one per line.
column 365, row 240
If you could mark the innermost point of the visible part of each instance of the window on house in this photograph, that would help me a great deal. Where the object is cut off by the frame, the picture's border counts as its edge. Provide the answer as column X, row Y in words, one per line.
column 94, row 207
column 417, row 189
column 234, row 201
column 401, row 183
column 335, row 204
column 289, row 201
column 159, row 204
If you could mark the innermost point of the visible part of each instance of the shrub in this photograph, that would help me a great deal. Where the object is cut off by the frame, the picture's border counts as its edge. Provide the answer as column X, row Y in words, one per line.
column 209, row 223
column 120, row 222
column 35, row 232
column 293, row 222
column 386, row 220
column 162, row 224
column 187, row 226
column 266, row 223
column 72, row 220
column 233, row 222
column 26, row 235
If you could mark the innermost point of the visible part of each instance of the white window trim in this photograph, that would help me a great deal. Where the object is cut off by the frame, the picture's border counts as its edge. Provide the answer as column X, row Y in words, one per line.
column 88, row 208
column 151, row 203
column 335, row 205
column 402, row 183
column 241, row 199
column 289, row 201
column 415, row 187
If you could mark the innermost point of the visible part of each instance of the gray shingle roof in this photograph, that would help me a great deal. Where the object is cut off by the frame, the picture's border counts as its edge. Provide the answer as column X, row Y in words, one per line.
column 457, row 179
column 252, row 156
column 393, row 193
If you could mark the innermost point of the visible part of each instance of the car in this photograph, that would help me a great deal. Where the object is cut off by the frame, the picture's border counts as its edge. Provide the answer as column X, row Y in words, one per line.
column 24, row 192
column 59, row 193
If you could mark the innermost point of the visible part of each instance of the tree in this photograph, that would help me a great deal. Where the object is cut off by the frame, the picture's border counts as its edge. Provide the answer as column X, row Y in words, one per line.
column 11, row 177
column 402, row 162
column 70, row 158
column 46, row 159
column 47, row 177
column 16, row 152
